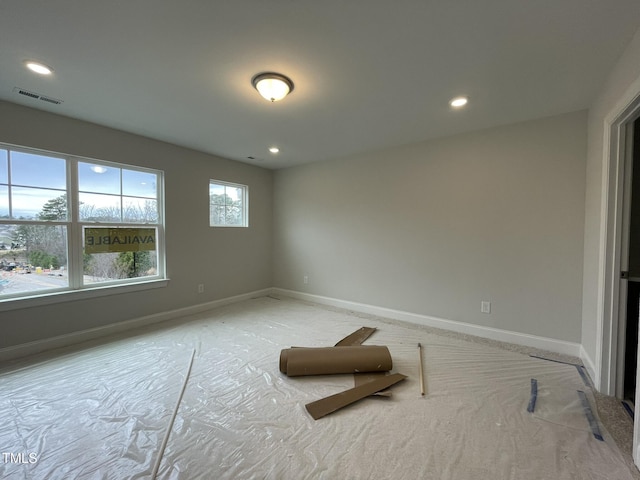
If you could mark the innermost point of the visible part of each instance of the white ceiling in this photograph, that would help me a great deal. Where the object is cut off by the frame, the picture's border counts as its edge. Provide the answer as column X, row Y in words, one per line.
column 368, row 74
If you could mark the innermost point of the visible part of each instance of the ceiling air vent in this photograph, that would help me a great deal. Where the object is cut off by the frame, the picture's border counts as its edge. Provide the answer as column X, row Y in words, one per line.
column 37, row 96
column 55, row 101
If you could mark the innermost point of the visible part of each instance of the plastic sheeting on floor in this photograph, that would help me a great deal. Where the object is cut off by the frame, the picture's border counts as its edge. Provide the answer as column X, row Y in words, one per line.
column 103, row 412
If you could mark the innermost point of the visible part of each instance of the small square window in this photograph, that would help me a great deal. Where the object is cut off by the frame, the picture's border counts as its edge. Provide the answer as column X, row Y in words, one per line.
column 228, row 204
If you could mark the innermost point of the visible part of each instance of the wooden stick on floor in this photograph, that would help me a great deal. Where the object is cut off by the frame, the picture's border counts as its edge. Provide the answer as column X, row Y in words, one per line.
column 421, row 371
column 156, row 467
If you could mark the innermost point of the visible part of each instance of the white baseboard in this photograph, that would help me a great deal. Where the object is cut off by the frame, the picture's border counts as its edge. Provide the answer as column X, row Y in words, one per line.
column 533, row 341
column 39, row 346
column 550, row 344
column 590, row 366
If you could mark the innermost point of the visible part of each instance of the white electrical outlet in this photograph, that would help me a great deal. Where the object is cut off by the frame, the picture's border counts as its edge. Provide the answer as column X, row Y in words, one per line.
column 485, row 307
column 201, row 288
column 306, row 279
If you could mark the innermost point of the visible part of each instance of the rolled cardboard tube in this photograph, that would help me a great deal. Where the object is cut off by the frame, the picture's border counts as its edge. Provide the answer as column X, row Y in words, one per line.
column 334, row 360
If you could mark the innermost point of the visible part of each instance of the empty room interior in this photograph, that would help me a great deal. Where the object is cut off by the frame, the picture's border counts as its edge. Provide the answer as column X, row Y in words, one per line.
column 319, row 240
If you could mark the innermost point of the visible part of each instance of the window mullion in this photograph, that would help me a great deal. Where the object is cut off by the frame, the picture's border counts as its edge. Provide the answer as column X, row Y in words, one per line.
column 121, row 199
column 9, row 187
column 75, row 229
column 160, row 246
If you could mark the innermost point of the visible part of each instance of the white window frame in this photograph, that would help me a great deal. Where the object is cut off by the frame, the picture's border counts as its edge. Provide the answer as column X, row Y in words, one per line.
column 245, row 204
column 76, row 288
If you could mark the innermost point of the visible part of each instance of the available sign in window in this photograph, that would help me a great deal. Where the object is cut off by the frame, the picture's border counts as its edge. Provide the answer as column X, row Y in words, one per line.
column 104, row 239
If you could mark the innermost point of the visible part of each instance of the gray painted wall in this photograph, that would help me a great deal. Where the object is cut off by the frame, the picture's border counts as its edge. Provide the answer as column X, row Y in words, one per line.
column 229, row 261
column 437, row 227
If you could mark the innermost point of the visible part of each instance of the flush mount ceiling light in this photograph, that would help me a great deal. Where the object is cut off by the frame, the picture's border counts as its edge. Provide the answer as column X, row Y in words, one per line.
column 38, row 67
column 274, row 149
column 272, row 86
column 458, row 102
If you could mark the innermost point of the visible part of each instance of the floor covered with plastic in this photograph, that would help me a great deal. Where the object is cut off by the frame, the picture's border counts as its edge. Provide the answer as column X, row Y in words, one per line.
column 203, row 398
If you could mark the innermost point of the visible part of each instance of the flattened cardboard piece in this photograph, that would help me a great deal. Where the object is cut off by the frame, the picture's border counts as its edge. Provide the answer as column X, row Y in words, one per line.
column 366, row 377
column 362, row 378
column 357, row 337
column 330, row 404
column 335, row 360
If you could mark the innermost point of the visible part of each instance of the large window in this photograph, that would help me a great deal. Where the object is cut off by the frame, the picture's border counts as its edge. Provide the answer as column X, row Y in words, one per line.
column 228, row 204
column 69, row 223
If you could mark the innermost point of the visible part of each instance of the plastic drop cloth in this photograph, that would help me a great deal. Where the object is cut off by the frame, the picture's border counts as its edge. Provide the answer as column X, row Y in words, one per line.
column 102, row 412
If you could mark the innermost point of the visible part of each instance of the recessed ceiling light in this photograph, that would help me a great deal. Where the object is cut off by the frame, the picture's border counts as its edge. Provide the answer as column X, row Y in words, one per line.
column 39, row 68
column 458, row 102
column 274, row 149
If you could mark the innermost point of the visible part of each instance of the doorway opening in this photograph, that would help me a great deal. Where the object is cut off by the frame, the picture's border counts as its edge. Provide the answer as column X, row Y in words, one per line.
column 612, row 353
column 631, row 232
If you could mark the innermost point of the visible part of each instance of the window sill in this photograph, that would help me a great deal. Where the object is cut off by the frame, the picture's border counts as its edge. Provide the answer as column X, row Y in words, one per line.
column 73, row 295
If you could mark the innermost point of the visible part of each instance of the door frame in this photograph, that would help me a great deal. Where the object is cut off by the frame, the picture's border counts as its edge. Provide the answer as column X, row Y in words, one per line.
column 611, row 255
column 614, row 251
